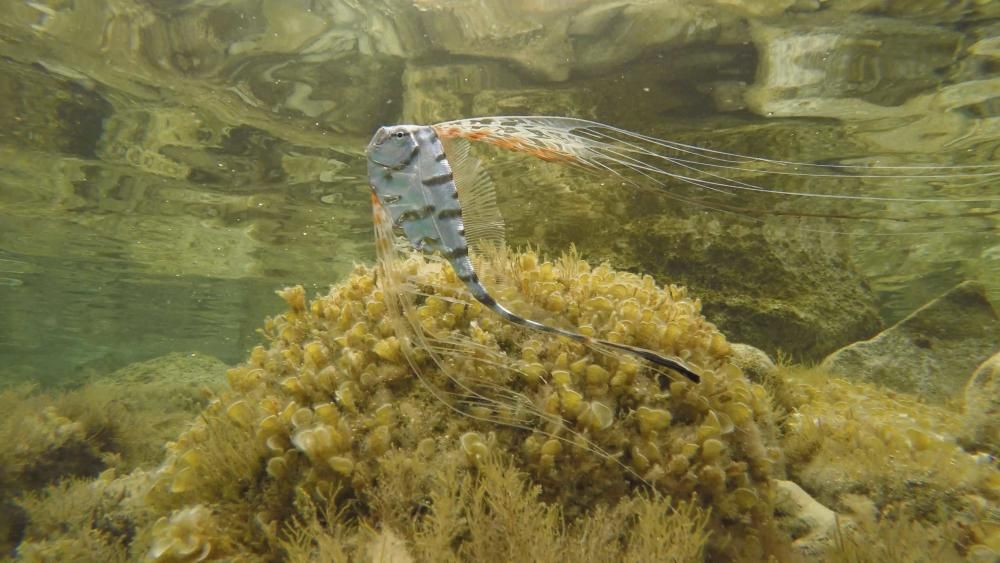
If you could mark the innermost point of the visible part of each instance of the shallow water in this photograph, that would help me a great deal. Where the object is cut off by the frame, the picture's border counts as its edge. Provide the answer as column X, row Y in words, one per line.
column 166, row 166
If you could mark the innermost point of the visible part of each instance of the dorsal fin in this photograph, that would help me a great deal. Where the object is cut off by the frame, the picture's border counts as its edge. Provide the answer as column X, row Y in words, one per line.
column 484, row 225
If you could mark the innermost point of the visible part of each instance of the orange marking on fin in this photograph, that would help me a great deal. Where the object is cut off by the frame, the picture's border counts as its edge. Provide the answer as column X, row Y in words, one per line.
column 508, row 143
column 376, row 208
column 551, row 155
column 447, row 132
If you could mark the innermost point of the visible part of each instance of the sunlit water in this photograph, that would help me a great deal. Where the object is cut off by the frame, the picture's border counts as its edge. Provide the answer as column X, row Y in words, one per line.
column 165, row 166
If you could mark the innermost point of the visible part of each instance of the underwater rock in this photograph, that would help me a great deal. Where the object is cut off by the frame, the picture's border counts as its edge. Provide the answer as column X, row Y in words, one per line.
column 932, row 351
column 607, row 35
column 773, row 286
column 331, row 404
column 844, row 438
column 143, row 405
column 811, row 524
column 753, row 362
column 84, row 520
column 118, row 421
column 535, row 40
column 776, row 288
column 981, row 420
column 177, row 371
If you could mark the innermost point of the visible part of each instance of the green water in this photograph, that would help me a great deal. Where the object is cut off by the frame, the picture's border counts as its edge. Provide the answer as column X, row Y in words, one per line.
column 165, row 166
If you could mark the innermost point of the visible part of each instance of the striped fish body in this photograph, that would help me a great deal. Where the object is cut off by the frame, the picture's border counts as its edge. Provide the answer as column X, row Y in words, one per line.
column 412, row 179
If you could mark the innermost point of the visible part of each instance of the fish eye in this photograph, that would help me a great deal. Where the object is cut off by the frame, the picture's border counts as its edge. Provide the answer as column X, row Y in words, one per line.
column 399, row 134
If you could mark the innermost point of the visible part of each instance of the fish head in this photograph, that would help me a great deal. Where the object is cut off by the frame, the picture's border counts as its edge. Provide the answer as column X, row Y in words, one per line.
column 393, row 147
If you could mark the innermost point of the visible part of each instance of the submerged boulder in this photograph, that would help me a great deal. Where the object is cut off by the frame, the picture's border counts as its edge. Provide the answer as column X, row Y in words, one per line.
column 332, row 408
column 981, row 421
column 932, row 351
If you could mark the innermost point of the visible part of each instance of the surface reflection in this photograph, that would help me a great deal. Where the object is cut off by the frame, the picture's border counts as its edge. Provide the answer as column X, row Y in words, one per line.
column 165, row 166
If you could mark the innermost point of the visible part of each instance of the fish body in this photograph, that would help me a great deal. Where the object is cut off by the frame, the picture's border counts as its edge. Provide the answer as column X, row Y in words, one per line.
column 412, row 180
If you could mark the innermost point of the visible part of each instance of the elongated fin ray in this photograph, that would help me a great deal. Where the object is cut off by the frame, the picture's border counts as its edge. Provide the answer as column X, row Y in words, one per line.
column 484, row 225
column 938, row 192
column 593, row 144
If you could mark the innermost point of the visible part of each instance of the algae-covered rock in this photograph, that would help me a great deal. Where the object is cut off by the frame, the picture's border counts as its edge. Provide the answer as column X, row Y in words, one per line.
column 765, row 283
column 932, row 351
column 981, row 418
column 811, row 524
column 332, row 445
column 79, row 520
column 61, row 437
column 753, row 362
column 41, row 446
column 889, row 465
column 851, row 438
column 331, row 407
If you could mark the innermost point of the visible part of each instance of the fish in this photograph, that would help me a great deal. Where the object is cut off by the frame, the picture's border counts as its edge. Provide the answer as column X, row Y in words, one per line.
column 413, row 181
column 401, row 201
